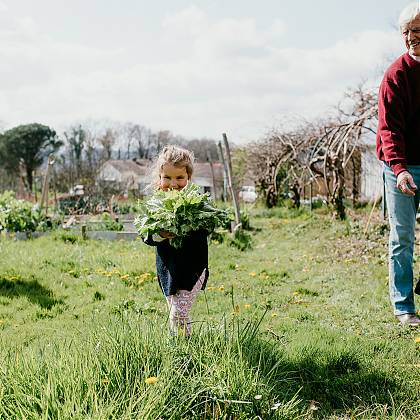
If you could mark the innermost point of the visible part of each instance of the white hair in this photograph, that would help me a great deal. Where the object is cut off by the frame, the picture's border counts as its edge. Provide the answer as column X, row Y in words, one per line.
column 409, row 13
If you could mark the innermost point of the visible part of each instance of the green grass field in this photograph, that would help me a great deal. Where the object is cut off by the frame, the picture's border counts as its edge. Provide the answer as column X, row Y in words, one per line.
column 297, row 327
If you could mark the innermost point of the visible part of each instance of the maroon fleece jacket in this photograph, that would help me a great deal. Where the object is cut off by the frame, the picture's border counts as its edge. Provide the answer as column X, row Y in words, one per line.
column 398, row 135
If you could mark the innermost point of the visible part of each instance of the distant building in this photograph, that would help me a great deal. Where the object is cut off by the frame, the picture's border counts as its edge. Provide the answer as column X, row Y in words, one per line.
column 124, row 175
column 203, row 177
column 371, row 185
column 129, row 175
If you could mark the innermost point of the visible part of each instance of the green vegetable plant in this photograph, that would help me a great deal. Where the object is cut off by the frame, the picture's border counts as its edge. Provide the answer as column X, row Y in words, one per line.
column 179, row 212
column 109, row 223
column 18, row 215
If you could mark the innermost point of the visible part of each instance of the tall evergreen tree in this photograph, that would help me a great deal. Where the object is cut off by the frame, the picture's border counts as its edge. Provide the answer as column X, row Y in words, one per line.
column 27, row 145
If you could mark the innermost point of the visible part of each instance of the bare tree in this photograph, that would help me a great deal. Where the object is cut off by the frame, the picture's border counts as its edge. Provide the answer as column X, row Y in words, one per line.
column 315, row 151
column 335, row 148
column 277, row 150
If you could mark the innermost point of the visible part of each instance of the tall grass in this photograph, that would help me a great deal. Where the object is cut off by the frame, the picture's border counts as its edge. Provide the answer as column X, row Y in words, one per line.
column 226, row 370
column 223, row 371
column 83, row 325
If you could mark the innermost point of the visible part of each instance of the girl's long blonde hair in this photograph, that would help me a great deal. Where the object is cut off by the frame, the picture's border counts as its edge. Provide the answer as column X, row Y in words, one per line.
column 175, row 155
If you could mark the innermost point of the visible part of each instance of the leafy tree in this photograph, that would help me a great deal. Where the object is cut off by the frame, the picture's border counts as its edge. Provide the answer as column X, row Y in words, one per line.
column 27, row 146
column 107, row 141
column 76, row 138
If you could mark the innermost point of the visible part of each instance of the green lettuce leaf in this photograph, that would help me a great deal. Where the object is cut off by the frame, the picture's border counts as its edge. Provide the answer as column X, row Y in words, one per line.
column 179, row 212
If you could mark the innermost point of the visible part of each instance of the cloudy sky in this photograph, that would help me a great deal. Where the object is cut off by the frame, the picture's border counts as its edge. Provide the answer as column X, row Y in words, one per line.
column 197, row 68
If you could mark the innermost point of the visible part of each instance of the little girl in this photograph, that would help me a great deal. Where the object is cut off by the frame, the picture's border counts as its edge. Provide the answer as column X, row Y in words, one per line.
column 184, row 271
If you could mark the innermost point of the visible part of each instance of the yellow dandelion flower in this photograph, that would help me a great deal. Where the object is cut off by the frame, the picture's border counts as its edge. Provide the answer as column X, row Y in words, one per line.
column 417, row 339
column 151, row 380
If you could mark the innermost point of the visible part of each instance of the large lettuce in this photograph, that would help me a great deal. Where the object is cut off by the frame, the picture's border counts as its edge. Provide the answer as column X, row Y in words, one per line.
column 179, row 212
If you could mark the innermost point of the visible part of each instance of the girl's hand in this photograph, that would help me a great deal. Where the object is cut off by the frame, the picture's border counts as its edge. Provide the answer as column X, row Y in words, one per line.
column 167, row 235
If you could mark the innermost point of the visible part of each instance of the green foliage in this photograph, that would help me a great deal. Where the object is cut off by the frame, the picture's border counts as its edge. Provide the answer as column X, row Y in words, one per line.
column 18, row 215
column 107, row 222
column 179, row 212
column 125, row 207
column 241, row 240
column 98, row 296
column 245, row 220
column 219, row 235
column 50, row 222
column 28, row 144
column 67, row 236
column 240, row 165
column 92, row 204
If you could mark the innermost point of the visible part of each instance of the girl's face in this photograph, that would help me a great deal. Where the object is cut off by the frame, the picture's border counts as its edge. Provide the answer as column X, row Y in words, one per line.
column 173, row 177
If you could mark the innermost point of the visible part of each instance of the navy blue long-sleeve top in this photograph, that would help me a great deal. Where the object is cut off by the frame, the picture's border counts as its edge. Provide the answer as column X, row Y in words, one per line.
column 180, row 268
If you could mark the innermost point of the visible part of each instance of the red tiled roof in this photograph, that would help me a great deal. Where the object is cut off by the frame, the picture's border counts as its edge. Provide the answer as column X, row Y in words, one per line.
column 139, row 167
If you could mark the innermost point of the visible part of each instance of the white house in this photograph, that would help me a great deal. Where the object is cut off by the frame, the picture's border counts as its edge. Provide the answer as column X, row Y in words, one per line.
column 133, row 175
column 209, row 177
column 124, row 174
column 371, row 177
column 371, row 170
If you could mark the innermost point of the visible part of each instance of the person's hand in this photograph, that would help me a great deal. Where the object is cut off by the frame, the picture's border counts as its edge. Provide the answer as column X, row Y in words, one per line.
column 167, row 235
column 405, row 183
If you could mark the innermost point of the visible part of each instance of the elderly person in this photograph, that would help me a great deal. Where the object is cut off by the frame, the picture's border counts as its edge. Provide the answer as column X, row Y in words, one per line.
column 398, row 146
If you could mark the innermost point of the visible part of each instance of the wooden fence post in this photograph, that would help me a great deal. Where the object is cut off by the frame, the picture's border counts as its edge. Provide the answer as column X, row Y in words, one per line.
column 222, row 159
column 310, row 196
column 212, row 174
column 232, row 191
column 44, row 196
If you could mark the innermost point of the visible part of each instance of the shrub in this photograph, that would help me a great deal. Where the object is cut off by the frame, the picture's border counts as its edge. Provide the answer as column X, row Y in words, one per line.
column 18, row 215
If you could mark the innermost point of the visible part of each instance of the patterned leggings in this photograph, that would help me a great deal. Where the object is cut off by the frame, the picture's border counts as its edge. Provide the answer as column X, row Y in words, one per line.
column 180, row 306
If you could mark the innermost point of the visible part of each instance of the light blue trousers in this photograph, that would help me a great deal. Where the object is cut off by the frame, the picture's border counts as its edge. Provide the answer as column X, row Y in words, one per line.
column 402, row 210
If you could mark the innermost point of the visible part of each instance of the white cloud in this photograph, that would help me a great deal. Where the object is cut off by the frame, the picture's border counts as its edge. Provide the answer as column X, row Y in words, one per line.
column 189, row 21
column 233, row 79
